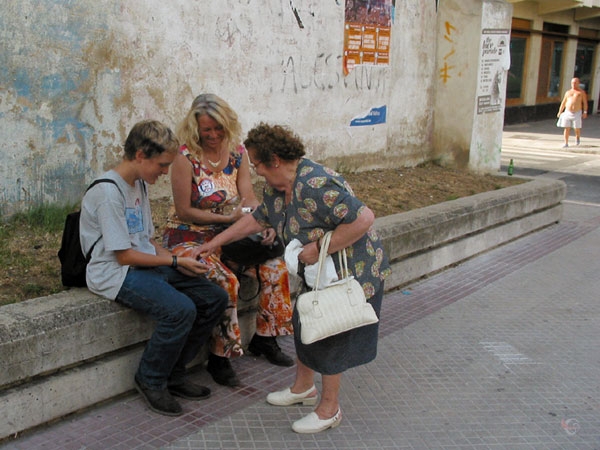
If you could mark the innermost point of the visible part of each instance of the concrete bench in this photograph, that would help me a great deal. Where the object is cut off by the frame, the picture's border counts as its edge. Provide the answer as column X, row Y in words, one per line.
column 70, row 350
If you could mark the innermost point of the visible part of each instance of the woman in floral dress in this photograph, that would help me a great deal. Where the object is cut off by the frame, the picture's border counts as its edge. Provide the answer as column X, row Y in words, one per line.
column 211, row 183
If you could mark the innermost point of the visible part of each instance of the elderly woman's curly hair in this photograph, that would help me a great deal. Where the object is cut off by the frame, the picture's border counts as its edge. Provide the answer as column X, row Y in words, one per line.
column 268, row 140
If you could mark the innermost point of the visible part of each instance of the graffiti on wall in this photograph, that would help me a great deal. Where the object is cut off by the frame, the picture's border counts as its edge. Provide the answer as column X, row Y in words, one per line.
column 322, row 73
column 296, row 14
column 449, row 49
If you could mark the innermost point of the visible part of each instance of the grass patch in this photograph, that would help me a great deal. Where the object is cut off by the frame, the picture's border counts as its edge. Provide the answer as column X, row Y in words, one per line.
column 46, row 218
column 33, row 289
column 29, row 242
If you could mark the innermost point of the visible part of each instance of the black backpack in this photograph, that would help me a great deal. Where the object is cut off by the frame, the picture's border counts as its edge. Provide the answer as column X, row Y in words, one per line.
column 72, row 260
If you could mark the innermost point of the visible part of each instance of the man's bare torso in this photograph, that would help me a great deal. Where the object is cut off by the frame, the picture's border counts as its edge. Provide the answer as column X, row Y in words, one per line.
column 574, row 100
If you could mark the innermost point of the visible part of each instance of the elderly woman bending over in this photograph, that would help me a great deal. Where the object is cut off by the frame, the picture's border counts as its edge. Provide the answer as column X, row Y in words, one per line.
column 304, row 200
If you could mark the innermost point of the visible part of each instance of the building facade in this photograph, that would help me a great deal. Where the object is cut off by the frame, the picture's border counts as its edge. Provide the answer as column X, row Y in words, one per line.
column 551, row 42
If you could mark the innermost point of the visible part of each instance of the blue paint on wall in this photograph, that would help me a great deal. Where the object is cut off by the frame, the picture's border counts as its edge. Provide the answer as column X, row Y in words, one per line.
column 56, row 85
column 59, row 126
column 22, row 83
column 44, row 65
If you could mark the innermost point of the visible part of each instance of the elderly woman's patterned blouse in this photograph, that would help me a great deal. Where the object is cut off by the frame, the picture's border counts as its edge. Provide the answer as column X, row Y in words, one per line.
column 322, row 200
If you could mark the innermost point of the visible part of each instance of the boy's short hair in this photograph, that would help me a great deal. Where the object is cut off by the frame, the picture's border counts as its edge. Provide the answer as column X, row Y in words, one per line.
column 152, row 138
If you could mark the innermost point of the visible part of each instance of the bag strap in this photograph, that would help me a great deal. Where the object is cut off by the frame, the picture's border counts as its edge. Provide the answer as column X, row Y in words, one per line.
column 104, row 180
column 240, row 272
column 343, row 260
column 88, row 255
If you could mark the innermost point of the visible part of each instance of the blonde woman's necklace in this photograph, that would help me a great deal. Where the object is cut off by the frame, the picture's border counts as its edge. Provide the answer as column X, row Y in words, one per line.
column 214, row 164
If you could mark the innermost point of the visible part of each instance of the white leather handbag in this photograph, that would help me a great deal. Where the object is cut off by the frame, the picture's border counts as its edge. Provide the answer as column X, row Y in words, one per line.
column 339, row 307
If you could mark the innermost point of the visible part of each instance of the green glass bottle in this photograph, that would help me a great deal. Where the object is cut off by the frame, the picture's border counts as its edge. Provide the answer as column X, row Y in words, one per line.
column 511, row 167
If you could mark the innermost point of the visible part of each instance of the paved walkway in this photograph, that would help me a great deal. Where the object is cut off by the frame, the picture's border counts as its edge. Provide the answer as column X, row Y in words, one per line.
column 500, row 352
column 552, row 136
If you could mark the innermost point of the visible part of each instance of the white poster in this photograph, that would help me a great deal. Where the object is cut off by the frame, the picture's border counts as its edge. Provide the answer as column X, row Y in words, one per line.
column 494, row 64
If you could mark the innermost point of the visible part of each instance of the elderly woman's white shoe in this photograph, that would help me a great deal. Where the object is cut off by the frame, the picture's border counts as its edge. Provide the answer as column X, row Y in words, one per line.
column 287, row 397
column 312, row 423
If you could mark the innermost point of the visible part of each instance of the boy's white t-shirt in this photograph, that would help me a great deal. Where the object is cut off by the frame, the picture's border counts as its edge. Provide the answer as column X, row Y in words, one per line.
column 123, row 221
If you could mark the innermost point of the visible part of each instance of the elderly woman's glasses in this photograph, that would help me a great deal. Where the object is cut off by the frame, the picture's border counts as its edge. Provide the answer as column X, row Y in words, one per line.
column 255, row 166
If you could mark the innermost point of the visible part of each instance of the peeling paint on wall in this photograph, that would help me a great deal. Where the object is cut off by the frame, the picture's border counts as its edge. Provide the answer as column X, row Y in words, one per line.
column 46, row 85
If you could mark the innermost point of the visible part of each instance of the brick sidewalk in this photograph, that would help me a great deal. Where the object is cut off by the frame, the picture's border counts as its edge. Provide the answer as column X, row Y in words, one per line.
column 498, row 352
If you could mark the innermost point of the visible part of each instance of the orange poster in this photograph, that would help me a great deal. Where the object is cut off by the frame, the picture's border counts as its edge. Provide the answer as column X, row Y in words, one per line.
column 383, row 39
column 351, row 59
column 369, row 38
column 353, row 37
column 367, row 31
column 368, row 58
column 382, row 59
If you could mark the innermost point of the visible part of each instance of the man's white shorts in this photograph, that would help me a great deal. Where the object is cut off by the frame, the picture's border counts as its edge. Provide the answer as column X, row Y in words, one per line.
column 569, row 119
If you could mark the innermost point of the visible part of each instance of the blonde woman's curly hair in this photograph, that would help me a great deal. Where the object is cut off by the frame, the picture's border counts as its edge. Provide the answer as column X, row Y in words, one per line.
column 216, row 108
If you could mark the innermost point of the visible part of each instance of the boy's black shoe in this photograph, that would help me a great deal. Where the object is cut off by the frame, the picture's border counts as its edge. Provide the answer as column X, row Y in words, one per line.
column 221, row 371
column 161, row 402
column 268, row 346
column 190, row 391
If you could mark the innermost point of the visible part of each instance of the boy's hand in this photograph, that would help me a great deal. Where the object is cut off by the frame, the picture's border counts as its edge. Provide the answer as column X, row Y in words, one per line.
column 191, row 266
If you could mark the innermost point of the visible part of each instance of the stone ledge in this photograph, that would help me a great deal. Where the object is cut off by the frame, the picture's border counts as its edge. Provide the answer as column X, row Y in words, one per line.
column 70, row 350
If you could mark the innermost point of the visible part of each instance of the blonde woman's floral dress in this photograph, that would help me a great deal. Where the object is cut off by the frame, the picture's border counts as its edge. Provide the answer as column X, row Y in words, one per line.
column 214, row 190
column 321, row 201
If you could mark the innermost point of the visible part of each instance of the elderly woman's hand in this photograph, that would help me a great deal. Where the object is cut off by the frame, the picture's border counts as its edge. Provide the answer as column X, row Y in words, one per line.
column 309, row 254
column 204, row 250
column 269, row 236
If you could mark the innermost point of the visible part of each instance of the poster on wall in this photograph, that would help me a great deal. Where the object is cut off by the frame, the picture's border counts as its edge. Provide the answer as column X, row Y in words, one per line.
column 493, row 66
column 367, row 31
column 374, row 116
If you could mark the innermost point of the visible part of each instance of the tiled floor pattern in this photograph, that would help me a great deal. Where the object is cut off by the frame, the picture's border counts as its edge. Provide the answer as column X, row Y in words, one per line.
column 425, row 390
column 510, row 366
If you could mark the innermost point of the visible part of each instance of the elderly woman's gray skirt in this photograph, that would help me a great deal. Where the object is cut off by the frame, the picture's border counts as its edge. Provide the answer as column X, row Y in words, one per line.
column 338, row 353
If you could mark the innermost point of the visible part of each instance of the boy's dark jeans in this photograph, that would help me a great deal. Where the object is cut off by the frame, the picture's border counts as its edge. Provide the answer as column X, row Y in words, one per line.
column 185, row 309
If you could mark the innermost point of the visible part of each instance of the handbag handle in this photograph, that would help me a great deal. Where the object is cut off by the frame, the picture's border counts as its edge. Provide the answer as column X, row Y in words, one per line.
column 323, row 255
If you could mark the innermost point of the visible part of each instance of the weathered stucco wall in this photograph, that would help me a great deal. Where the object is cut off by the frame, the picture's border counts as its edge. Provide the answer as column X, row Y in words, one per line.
column 76, row 75
column 458, row 34
column 463, row 136
column 410, row 129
